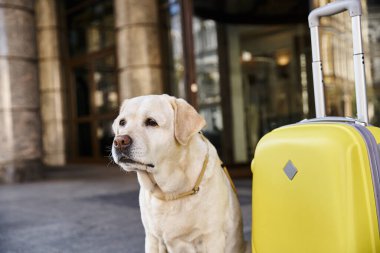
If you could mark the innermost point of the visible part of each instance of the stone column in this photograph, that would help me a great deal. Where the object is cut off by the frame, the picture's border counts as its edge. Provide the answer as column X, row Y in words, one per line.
column 20, row 129
column 52, row 88
column 138, row 48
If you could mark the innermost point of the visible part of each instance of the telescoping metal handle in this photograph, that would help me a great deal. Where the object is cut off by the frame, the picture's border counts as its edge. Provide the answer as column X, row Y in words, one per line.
column 354, row 8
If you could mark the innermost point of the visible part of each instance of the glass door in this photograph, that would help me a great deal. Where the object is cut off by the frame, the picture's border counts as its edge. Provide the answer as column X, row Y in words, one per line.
column 274, row 78
column 93, row 89
column 209, row 100
column 94, row 105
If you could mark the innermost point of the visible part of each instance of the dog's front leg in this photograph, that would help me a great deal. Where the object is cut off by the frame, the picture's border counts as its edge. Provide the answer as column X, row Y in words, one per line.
column 153, row 245
column 216, row 242
column 182, row 246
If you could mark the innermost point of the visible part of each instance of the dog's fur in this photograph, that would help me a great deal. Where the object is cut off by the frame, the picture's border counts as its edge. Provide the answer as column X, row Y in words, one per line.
column 168, row 159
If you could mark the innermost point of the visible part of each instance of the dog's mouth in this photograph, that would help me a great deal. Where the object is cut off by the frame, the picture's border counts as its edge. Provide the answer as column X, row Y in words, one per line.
column 130, row 161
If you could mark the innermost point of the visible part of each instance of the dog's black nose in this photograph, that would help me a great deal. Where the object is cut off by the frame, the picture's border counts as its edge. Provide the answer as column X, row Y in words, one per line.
column 122, row 142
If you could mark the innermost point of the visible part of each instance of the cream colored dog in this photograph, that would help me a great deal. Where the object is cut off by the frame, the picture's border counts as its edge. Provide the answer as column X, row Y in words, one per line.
column 187, row 202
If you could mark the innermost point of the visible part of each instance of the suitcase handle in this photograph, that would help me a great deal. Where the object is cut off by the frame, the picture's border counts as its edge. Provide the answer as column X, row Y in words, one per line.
column 354, row 8
column 333, row 8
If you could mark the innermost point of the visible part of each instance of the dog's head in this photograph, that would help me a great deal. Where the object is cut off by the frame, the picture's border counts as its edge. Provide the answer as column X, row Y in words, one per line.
column 150, row 129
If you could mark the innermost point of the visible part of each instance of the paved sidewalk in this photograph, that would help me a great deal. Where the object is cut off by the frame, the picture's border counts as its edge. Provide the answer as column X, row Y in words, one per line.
column 81, row 212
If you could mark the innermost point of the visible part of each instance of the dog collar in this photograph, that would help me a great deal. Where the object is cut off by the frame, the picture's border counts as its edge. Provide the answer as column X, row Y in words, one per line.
column 167, row 197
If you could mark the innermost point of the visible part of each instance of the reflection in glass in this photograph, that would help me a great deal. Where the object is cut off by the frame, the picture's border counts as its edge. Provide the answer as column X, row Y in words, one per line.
column 104, row 136
column 207, row 67
column 84, row 139
column 106, row 95
column 94, row 88
column 82, row 89
column 274, row 80
column 91, row 28
column 172, row 26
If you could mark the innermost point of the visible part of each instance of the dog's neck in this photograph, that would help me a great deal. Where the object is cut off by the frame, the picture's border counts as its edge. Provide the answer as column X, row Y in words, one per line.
column 182, row 181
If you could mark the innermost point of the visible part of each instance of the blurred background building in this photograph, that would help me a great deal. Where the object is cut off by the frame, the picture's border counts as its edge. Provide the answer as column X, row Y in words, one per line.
column 65, row 67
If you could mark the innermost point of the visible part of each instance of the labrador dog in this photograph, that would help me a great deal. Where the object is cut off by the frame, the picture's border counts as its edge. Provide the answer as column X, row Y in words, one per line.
column 187, row 202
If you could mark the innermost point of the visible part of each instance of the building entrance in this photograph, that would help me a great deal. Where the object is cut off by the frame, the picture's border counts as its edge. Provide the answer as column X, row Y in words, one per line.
column 93, row 90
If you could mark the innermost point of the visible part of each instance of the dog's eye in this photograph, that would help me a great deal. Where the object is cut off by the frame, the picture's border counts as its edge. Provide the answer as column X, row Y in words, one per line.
column 150, row 122
column 122, row 122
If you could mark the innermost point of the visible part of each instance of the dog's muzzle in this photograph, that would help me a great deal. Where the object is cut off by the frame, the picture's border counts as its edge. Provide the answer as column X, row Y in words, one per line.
column 122, row 145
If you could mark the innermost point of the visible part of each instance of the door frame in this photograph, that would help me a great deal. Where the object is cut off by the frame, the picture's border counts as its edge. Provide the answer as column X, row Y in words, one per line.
column 93, row 118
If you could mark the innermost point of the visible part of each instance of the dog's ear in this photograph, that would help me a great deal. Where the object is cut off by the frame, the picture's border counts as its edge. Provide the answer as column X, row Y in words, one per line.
column 187, row 121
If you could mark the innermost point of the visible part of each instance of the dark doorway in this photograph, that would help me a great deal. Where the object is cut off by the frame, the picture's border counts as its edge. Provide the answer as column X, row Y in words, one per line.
column 93, row 89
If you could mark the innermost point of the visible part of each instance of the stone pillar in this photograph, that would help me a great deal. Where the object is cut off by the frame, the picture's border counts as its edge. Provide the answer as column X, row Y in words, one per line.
column 138, row 48
column 52, row 88
column 20, row 130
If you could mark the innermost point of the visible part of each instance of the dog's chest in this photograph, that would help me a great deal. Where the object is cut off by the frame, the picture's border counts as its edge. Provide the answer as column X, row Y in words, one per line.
column 172, row 219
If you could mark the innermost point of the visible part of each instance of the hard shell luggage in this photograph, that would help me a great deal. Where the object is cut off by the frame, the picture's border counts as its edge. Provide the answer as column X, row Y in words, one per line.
column 316, row 184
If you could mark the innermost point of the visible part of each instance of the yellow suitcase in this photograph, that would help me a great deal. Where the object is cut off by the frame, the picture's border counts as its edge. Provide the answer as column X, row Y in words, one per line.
column 316, row 184
column 314, row 189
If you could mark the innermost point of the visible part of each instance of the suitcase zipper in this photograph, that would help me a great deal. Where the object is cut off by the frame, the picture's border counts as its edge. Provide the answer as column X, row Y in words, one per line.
column 374, row 158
